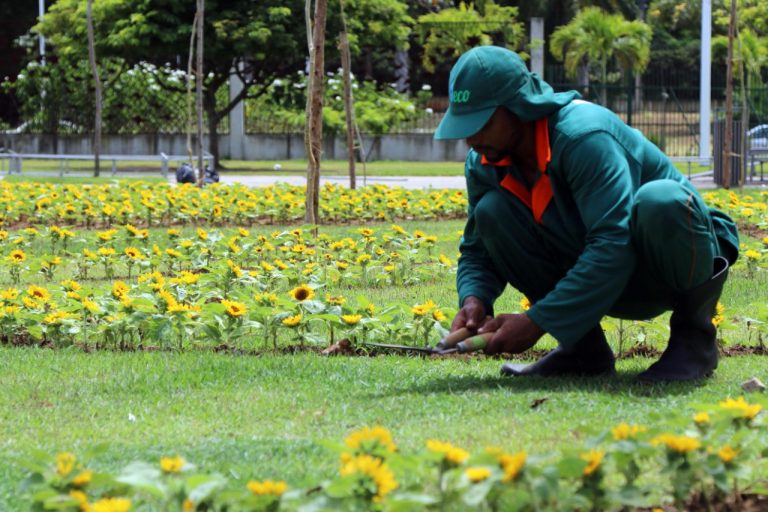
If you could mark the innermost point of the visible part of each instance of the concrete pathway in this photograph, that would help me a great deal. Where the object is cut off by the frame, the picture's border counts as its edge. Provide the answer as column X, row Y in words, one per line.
column 409, row 182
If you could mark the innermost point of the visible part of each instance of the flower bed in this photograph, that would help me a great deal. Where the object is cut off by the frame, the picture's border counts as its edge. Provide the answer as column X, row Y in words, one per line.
column 707, row 460
column 142, row 203
column 131, row 287
column 128, row 286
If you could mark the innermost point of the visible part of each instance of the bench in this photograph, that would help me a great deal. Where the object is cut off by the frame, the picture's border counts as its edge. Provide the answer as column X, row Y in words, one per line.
column 755, row 156
column 12, row 162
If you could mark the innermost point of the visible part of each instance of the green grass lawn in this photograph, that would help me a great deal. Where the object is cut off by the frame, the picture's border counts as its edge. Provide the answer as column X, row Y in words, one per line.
column 289, row 167
column 80, row 180
column 377, row 168
column 260, row 416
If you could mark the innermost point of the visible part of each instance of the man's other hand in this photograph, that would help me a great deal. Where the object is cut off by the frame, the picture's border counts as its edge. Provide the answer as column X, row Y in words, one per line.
column 515, row 333
column 471, row 315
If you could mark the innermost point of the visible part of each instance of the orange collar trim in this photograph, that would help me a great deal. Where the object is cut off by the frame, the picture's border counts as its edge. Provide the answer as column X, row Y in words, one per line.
column 539, row 198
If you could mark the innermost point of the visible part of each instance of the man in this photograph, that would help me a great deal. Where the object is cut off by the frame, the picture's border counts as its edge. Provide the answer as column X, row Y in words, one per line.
column 585, row 217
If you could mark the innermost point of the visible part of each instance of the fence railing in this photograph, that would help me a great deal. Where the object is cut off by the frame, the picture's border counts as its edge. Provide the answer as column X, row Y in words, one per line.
column 668, row 116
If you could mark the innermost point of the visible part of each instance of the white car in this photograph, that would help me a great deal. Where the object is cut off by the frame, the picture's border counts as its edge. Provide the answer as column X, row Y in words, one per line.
column 758, row 137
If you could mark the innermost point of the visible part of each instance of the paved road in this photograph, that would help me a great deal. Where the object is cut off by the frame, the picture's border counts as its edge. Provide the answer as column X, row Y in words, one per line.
column 411, row 182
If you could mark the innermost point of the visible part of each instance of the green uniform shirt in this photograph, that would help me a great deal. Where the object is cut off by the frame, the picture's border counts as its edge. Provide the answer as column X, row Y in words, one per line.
column 598, row 164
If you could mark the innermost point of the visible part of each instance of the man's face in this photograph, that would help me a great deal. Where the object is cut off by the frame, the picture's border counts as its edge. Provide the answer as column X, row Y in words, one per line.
column 503, row 135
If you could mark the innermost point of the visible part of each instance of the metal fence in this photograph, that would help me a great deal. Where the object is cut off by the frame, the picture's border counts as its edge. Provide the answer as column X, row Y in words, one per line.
column 666, row 115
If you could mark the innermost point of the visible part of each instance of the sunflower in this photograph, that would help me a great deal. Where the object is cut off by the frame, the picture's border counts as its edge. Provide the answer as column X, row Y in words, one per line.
column 119, row 289
column 17, row 256
column 267, row 487
column 292, row 321
column 302, row 293
column 477, row 474
column 336, row 300
column 351, row 319
column 172, row 464
column 234, row 309
column 134, row 253
column 594, row 459
column 39, row 293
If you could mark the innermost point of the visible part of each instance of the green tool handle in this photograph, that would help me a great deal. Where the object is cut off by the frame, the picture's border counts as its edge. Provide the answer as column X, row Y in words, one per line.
column 452, row 339
column 474, row 343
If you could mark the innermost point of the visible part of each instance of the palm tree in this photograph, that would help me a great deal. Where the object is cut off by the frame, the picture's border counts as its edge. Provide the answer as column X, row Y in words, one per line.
column 594, row 37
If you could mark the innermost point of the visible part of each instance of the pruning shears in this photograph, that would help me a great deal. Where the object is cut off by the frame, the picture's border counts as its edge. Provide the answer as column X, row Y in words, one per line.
column 460, row 341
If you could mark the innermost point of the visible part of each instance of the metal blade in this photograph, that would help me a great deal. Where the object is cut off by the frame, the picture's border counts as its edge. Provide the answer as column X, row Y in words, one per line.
column 404, row 348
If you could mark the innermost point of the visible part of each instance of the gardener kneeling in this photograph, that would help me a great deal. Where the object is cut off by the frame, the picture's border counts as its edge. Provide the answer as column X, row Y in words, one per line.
column 584, row 216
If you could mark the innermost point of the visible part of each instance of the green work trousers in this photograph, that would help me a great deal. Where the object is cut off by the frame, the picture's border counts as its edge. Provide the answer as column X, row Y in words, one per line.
column 671, row 233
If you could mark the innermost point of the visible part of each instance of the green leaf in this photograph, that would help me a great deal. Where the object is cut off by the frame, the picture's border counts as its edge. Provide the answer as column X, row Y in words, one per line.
column 571, row 467
column 410, row 502
column 60, row 502
column 43, row 495
column 477, row 493
column 211, row 331
column 342, row 487
column 143, row 477
column 202, row 487
column 313, row 306
column 316, row 338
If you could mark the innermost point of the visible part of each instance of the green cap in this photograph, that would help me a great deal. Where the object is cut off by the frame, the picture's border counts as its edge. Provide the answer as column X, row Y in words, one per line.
column 487, row 77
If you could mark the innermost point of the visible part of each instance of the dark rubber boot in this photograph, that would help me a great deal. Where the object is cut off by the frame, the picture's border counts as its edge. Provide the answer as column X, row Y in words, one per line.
column 692, row 349
column 590, row 356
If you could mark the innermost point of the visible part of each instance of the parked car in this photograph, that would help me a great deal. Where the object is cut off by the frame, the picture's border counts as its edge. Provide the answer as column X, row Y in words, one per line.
column 758, row 137
column 32, row 127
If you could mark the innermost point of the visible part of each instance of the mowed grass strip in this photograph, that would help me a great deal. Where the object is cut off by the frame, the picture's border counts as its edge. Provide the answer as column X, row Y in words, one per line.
column 289, row 167
column 104, row 178
column 377, row 167
column 259, row 417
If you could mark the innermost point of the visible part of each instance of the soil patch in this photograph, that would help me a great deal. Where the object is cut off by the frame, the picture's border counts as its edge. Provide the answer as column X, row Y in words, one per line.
column 639, row 350
column 745, row 350
column 732, row 503
column 752, row 230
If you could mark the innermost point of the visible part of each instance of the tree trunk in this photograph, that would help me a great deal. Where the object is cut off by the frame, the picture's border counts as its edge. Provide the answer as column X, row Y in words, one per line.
column 744, row 117
column 604, row 83
column 190, row 98
column 728, row 145
column 97, row 87
column 368, row 63
column 583, row 78
column 199, row 90
column 348, row 106
column 314, row 128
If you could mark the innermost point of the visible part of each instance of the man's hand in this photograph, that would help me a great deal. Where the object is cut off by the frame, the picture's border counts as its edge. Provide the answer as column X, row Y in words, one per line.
column 514, row 333
column 471, row 315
